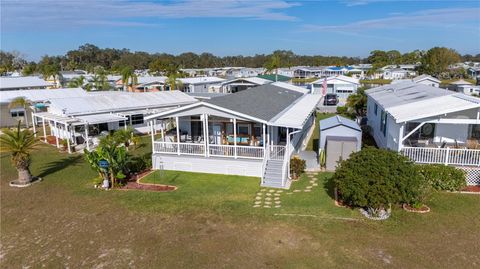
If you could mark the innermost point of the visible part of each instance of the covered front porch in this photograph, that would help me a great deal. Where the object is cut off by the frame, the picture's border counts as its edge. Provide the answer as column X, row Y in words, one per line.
column 215, row 136
column 442, row 141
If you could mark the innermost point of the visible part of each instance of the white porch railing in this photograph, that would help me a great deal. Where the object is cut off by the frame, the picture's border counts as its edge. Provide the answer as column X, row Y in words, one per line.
column 277, row 152
column 463, row 157
column 185, row 148
column 247, row 152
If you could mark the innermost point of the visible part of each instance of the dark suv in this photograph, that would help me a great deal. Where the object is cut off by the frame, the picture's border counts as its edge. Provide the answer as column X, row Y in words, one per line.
column 330, row 100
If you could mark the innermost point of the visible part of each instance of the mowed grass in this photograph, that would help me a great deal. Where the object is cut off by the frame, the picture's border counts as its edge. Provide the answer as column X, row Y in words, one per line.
column 209, row 222
column 313, row 142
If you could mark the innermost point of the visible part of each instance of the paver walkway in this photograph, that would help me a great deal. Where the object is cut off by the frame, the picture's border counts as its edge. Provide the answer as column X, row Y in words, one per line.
column 270, row 198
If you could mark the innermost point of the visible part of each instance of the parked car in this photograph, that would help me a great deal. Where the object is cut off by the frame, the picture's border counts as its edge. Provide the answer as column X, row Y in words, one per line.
column 331, row 99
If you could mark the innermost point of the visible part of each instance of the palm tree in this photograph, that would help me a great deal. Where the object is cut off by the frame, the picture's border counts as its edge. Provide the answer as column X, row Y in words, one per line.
column 128, row 77
column 21, row 102
column 49, row 71
column 273, row 64
column 77, row 82
column 358, row 102
column 173, row 82
column 19, row 143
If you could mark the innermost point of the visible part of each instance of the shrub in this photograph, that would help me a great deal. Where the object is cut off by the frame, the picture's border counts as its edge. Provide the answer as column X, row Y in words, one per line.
column 342, row 109
column 139, row 163
column 442, row 177
column 297, row 166
column 375, row 178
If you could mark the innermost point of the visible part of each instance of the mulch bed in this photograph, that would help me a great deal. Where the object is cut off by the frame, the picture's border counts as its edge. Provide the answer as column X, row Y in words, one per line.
column 423, row 209
column 472, row 189
column 135, row 184
column 148, row 187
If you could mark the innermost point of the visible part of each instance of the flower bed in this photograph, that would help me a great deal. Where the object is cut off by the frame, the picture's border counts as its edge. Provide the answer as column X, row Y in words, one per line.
column 422, row 209
column 135, row 184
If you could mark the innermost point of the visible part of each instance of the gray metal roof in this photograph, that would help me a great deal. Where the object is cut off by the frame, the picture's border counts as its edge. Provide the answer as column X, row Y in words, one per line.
column 263, row 102
column 41, row 95
column 22, row 82
column 404, row 93
column 338, row 121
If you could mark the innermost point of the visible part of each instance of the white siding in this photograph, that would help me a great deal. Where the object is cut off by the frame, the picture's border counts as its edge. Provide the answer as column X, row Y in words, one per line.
column 340, row 131
column 227, row 166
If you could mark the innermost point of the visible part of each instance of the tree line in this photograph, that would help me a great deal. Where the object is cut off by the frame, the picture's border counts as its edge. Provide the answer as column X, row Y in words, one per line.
column 88, row 57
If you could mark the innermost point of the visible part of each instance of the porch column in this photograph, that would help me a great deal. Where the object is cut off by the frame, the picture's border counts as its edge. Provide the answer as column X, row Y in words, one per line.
column 263, row 138
column 86, row 137
column 163, row 132
column 235, row 136
column 153, row 139
column 204, row 135
column 68, row 138
column 44, row 130
column 56, row 134
column 33, row 125
column 287, row 148
column 125, row 124
column 207, row 138
column 178, row 135
column 400, row 138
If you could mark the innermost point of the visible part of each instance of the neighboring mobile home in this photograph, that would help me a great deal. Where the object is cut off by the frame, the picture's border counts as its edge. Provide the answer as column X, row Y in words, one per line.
column 425, row 123
column 340, row 85
column 253, row 132
column 9, row 116
column 23, row 83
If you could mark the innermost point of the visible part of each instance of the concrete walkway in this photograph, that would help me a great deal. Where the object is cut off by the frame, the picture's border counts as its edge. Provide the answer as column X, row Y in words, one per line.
column 311, row 159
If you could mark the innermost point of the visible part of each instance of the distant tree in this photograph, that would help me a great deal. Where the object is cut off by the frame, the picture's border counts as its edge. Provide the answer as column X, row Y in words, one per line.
column 273, row 64
column 23, row 103
column 156, row 66
column 437, row 60
column 128, row 77
column 77, row 82
column 20, row 144
column 50, row 71
column 357, row 102
column 174, row 82
column 100, row 80
column 29, row 69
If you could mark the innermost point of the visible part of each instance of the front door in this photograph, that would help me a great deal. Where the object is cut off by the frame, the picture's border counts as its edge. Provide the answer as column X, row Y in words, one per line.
column 217, row 134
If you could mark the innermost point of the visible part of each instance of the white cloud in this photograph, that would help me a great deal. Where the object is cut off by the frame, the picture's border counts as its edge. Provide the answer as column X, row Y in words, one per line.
column 433, row 17
column 65, row 13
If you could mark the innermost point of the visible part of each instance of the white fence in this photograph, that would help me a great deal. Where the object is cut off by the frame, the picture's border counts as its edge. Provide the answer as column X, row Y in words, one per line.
column 230, row 151
column 448, row 156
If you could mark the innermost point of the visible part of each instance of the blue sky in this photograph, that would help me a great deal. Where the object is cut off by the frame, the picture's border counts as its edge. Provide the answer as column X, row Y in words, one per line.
column 228, row 27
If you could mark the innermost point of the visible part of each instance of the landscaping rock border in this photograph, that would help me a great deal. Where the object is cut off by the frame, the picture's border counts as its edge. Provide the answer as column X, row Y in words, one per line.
column 17, row 185
column 423, row 210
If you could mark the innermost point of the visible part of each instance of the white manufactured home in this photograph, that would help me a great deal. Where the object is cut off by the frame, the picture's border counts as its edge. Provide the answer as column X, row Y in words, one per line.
column 253, row 133
column 82, row 120
column 425, row 123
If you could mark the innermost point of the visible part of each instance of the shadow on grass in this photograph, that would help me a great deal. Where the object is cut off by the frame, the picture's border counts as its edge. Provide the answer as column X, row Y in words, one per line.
column 59, row 165
column 315, row 144
column 329, row 187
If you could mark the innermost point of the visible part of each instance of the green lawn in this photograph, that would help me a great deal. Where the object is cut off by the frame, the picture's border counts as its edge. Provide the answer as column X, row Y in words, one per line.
column 209, row 222
column 313, row 142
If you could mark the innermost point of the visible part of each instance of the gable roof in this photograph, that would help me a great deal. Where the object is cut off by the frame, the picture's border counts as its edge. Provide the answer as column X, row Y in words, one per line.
column 262, row 102
column 340, row 78
column 461, row 82
column 253, row 80
column 23, row 82
column 338, row 120
column 425, row 77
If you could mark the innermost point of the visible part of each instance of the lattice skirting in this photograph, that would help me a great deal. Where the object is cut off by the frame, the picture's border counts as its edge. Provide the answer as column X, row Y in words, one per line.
column 472, row 175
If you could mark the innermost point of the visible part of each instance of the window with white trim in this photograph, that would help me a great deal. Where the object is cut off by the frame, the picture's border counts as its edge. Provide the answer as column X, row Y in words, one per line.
column 17, row 112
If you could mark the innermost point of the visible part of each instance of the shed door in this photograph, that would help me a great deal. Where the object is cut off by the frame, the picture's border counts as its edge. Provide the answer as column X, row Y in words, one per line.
column 338, row 151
